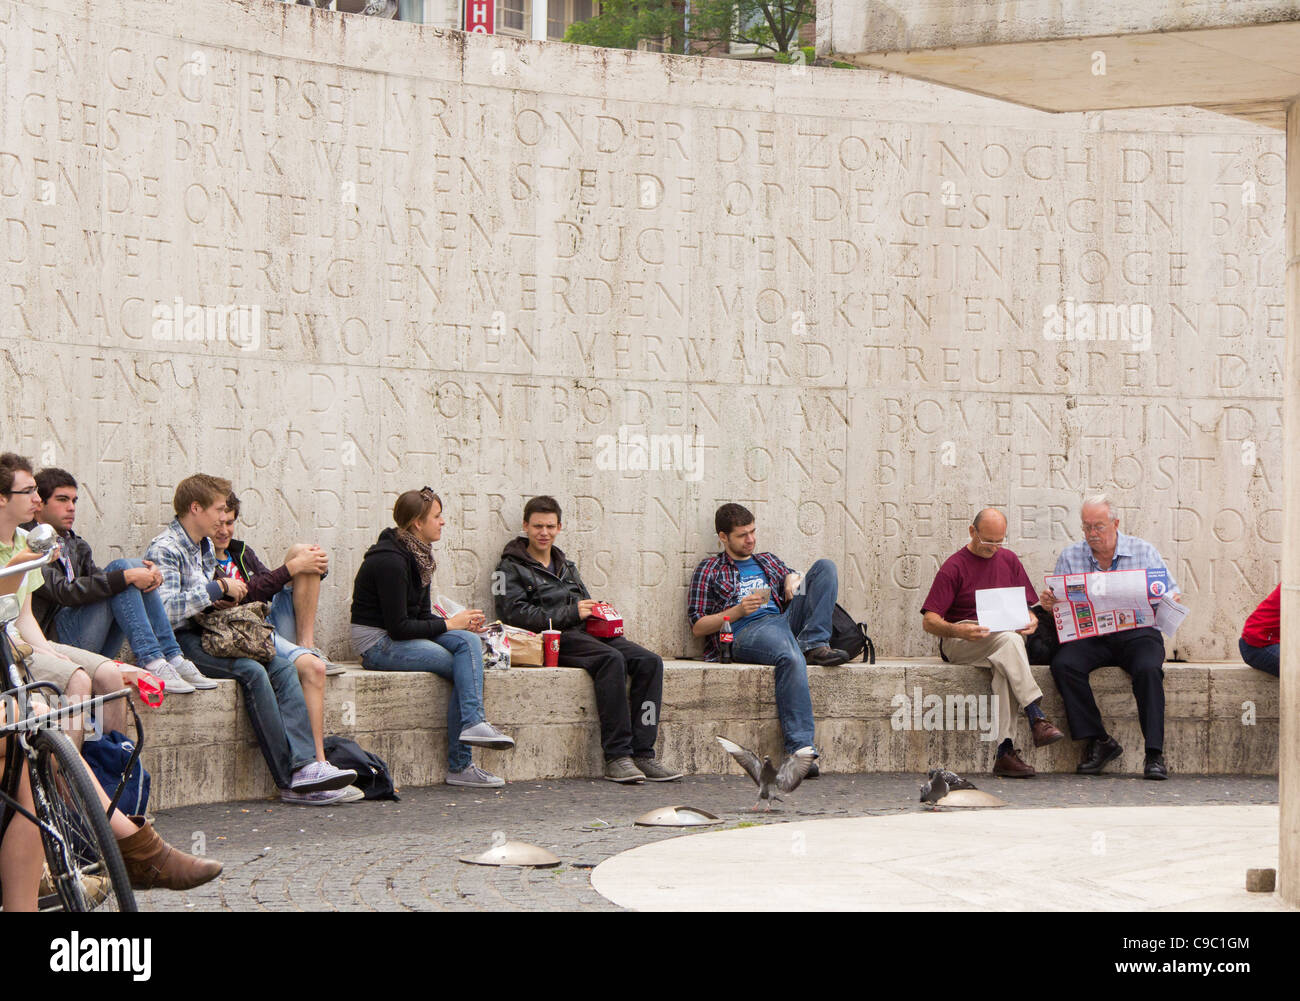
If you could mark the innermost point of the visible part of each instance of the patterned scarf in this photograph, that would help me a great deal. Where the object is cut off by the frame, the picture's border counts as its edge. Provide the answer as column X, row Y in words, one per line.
column 418, row 548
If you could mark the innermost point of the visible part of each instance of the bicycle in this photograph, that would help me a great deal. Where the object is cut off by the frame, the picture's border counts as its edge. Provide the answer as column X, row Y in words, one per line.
column 85, row 867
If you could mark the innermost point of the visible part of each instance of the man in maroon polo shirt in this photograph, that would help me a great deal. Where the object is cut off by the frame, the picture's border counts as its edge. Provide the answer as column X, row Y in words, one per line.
column 949, row 613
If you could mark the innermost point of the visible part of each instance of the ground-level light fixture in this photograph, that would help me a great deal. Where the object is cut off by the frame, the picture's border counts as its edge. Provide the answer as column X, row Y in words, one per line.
column 677, row 816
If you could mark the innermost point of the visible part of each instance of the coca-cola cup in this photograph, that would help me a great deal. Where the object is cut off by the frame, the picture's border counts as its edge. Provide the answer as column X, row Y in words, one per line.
column 550, row 647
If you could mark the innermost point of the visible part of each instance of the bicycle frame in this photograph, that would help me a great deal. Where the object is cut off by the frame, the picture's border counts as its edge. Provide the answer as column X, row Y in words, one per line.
column 24, row 723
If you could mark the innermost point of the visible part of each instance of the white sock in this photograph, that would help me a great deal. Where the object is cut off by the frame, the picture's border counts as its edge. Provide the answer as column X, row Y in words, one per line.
column 176, row 661
column 153, row 665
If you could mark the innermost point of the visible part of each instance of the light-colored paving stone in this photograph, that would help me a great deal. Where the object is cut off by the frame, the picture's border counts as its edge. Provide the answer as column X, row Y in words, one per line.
column 1094, row 859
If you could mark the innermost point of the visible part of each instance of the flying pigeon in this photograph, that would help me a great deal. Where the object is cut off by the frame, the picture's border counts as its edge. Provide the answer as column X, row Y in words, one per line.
column 766, row 776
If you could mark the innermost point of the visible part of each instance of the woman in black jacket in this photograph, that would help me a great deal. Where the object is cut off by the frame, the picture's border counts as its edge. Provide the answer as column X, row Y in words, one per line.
column 394, row 629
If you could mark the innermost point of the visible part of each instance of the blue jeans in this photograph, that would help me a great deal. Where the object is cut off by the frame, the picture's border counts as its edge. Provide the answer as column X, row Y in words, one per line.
column 456, row 655
column 274, row 703
column 285, row 623
column 1263, row 658
column 780, row 640
column 132, row 615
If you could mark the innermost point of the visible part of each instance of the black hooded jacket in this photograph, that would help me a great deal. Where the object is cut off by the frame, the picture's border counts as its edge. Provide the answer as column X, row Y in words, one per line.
column 387, row 592
column 529, row 596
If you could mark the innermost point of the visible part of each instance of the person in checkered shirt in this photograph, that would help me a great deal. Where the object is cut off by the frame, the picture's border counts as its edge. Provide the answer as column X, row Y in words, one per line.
column 1140, row 652
column 778, row 617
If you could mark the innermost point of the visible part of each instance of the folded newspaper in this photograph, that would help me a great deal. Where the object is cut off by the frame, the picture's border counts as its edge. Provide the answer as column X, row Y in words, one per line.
column 1095, row 604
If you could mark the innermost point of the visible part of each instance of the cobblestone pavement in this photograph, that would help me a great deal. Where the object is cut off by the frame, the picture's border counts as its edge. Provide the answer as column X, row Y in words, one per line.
column 386, row 856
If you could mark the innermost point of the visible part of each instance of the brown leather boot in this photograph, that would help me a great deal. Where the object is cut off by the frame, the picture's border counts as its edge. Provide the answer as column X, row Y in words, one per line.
column 1045, row 733
column 1012, row 766
column 151, row 862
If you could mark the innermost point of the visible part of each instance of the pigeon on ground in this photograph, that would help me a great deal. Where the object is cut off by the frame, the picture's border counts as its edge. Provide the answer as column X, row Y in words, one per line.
column 954, row 780
column 935, row 789
column 941, row 782
column 766, row 776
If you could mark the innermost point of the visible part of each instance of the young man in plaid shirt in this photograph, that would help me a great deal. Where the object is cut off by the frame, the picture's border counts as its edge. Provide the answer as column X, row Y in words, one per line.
column 778, row 617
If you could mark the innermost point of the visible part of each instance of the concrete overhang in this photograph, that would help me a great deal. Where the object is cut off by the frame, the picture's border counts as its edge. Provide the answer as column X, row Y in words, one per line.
column 1240, row 58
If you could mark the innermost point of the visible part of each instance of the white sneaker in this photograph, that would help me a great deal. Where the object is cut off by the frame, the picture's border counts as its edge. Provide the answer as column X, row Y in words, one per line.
column 321, row 775
column 475, row 777
column 321, row 797
column 174, row 684
column 188, row 672
column 351, row 794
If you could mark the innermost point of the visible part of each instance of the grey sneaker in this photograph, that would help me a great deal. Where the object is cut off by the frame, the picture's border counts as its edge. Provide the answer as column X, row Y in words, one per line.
column 321, row 775
column 476, row 777
column 351, row 794
column 331, row 668
column 655, row 771
column 174, row 683
column 188, row 672
column 321, row 797
column 486, row 735
column 623, row 770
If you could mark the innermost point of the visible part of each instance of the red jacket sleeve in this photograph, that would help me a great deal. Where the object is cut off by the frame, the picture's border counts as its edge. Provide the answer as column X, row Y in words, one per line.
column 1264, row 627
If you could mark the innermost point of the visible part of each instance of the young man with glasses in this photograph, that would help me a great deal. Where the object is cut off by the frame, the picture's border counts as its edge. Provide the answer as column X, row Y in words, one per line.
column 949, row 613
column 1140, row 652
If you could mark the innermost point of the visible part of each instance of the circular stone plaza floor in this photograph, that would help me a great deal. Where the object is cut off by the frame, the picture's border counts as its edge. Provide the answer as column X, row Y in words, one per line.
column 1093, row 858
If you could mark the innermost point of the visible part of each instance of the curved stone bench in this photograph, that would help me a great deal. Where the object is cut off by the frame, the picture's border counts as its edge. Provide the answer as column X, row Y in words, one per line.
column 201, row 749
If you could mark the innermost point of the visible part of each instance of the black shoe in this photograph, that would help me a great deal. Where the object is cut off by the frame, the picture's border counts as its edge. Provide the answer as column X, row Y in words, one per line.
column 825, row 656
column 1099, row 752
column 1155, row 767
column 813, row 772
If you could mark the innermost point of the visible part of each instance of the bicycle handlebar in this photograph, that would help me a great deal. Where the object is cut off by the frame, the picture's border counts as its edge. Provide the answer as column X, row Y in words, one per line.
column 22, row 568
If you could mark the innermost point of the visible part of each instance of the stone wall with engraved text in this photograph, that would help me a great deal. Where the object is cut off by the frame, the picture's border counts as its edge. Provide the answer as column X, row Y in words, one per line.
column 499, row 268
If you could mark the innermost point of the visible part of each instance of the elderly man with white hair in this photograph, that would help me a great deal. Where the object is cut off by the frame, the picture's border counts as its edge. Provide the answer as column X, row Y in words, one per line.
column 1140, row 652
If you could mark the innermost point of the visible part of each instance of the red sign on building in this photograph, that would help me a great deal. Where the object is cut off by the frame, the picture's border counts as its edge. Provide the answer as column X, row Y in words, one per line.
column 480, row 16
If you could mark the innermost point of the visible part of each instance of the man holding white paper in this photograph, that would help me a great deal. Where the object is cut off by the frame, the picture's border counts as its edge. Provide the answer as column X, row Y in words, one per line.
column 978, row 606
column 1140, row 651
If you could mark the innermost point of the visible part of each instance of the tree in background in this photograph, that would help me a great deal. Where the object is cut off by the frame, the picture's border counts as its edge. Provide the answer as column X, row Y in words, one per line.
column 771, row 25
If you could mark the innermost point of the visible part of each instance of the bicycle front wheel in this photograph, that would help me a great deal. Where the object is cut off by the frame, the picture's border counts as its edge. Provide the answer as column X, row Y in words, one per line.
column 84, row 861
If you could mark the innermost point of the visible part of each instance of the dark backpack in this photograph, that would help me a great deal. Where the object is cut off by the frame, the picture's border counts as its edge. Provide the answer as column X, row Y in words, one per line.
column 108, row 758
column 373, row 777
column 1043, row 644
column 851, row 636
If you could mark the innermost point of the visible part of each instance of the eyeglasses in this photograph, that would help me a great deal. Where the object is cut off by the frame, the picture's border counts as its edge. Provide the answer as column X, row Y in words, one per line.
column 26, row 493
column 1096, row 529
column 428, row 490
column 986, row 542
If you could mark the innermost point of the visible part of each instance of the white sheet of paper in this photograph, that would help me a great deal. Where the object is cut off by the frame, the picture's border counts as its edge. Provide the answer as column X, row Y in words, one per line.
column 1169, row 615
column 1118, row 589
column 1000, row 609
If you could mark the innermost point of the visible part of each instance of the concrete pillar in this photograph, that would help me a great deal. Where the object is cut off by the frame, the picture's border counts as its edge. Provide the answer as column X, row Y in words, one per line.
column 539, row 20
column 1288, row 751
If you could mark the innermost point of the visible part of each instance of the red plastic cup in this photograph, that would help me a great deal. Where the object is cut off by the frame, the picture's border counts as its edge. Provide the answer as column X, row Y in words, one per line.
column 550, row 647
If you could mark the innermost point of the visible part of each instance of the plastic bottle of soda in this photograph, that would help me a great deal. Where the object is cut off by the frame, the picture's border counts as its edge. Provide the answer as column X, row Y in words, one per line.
column 725, row 639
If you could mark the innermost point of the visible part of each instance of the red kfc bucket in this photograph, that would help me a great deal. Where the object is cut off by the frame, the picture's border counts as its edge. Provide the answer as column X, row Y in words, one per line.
column 604, row 621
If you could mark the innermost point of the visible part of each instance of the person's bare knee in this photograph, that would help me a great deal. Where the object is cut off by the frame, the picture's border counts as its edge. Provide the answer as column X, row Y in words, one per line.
column 108, row 678
column 79, row 684
column 311, row 670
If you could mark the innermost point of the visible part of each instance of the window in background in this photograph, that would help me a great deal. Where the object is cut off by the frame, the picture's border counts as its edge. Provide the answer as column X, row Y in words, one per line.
column 513, row 17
